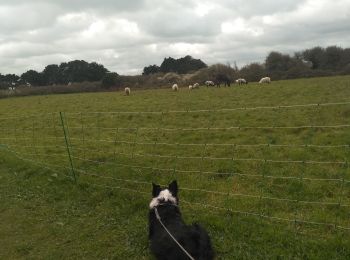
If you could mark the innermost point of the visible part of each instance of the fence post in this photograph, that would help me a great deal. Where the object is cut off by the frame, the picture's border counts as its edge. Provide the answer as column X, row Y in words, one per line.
column 67, row 146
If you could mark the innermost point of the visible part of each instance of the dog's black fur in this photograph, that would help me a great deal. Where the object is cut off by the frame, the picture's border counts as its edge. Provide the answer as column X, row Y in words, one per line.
column 193, row 237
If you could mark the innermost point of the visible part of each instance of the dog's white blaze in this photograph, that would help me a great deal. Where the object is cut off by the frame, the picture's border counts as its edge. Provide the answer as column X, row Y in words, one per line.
column 163, row 195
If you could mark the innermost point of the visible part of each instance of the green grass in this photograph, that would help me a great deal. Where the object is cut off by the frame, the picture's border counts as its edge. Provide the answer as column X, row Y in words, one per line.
column 45, row 215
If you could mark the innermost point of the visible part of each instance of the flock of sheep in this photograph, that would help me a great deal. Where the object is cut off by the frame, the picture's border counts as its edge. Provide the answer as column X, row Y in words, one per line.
column 210, row 83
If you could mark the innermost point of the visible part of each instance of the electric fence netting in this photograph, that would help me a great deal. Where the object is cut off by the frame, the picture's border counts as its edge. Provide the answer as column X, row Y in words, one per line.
column 266, row 162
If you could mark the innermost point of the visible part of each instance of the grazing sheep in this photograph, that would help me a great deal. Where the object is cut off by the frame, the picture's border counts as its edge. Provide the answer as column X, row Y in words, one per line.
column 241, row 81
column 175, row 87
column 195, row 85
column 209, row 83
column 127, row 91
column 265, row 80
column 190, row 87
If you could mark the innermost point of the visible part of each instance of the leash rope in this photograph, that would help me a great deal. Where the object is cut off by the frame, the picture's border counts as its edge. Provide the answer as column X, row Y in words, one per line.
column 182, row 248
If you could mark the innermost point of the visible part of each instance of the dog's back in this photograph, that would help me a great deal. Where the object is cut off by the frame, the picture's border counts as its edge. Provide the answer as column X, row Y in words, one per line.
column 193, row 238
column 164, row 217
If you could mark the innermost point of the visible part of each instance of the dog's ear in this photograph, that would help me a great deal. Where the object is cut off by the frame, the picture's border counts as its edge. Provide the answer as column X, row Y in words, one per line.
column 173, row 188
column 156, row 190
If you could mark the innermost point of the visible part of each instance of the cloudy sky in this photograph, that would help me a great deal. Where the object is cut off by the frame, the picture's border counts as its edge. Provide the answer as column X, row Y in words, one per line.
column 127, row 35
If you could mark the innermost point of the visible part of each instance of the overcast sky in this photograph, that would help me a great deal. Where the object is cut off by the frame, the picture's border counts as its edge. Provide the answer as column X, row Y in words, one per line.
column 127, row 35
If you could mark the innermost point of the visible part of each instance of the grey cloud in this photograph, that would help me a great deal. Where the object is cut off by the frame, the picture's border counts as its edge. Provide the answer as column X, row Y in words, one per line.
column 125, row 36
column 261, row 7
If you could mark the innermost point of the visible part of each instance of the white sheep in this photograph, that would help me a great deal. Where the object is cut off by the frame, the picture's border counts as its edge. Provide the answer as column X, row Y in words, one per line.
column 195, row 85
column 265, row 80
column 190, row 87
column 241, row 81
column 127, row 91
column 175, row 87
column 209, row 83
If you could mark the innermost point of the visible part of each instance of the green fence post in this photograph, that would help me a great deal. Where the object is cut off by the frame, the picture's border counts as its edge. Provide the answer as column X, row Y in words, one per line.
column 67, row 146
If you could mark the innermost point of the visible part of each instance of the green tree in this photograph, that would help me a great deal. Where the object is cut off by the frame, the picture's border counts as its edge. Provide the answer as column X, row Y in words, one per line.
column 96, row 71
column 151, row 69
column 33, row 77
column 182, row 65
column 277, row 61
column 111, row 80
column 51, row 74
column 332, row 58
column 315, row 56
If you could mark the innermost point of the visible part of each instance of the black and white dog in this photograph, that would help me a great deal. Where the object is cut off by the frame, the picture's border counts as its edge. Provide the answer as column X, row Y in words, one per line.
column 164, row 210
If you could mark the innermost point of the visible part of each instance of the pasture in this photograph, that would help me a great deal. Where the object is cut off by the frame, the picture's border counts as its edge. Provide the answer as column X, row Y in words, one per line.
column 266, row 177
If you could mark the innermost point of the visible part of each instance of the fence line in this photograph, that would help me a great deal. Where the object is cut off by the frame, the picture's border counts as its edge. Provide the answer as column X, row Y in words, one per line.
column 211, row 172
column 219, row 144
column 184, row 171
column 174, row 170
column 187, row 128
column 296, row 221
column 220, row 110
column 41, row 164
column 28, row 116
column 245, row 213
column 222, row 193
column 220, row 159
column 240, row 159
column 117, row 187
column 189, row 171
column 216, row 128
column 26, row 138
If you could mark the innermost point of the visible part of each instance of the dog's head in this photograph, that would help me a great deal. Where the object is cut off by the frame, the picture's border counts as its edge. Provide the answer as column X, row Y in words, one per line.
column 164, row 196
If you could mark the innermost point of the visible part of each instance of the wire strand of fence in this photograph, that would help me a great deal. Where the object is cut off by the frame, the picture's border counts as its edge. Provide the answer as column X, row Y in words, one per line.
column 190, row 129
column 214, row 158
column 117, row 188
column 222, row 144
column 41, row 164
column 84, row 172
column 222, row 193
column 220, row 109
column 219, row 158
column 53, row 155
column 246, row 213
column 38, row 115
column 27, row 138
column 178, row 129
column 26, row 128
column 39, row 146
column 206, row 172
column 240, row 159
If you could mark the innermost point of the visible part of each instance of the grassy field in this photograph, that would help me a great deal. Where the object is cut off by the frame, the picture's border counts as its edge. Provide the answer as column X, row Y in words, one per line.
column 262, row 184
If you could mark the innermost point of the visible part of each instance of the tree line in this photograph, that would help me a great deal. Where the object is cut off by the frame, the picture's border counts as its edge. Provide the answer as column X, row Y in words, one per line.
column 66, row 72
column 313, row 62
column 316, row 61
